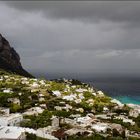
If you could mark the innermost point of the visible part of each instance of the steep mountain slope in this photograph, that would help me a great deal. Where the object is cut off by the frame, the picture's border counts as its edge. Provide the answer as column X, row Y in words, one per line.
column 9, row 59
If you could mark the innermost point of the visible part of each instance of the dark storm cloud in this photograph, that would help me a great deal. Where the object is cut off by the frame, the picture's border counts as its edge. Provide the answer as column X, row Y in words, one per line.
column 77, row 36
column 126, row 11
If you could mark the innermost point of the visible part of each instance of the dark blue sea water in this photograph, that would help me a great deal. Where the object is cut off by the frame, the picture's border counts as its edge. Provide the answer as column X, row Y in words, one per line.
column 127, row 91
column 125, row 88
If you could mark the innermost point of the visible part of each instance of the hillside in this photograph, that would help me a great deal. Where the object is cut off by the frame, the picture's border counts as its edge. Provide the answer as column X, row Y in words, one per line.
column 66, row 107
column 9, row 58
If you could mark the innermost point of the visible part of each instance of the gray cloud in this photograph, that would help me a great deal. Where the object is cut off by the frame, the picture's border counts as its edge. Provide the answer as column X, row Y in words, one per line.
column 85, row 37
column 117, row 11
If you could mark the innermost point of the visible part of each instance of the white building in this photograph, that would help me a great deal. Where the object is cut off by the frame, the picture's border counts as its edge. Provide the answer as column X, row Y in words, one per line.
column 125, row 119
column 70, row 97
column 41, row 99
column 84, row 121
column 55, row 121
column 100, row 93
column 14, row 100
column 105, row 109
column 81, row 90
column 56, row 93
column 100, row 127
column 34, row 111
column 11, row 120
column 117, row 102
column 43, row 133
column 7, row 91
column 12, row 133
column 35, row 85
column 4, row 111
column 134, row 113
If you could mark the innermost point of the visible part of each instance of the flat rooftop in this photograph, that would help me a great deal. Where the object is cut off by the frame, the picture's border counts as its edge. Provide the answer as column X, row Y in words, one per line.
column 9, row 132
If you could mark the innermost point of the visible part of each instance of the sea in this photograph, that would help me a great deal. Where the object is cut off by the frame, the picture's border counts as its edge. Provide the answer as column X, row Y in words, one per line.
column 126, row 90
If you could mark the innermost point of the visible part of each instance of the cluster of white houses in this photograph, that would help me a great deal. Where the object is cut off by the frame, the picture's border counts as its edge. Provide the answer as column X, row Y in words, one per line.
column 10, row 129
column 7, row 119
column 12, row 133
column 9, row 126
column 10, row 123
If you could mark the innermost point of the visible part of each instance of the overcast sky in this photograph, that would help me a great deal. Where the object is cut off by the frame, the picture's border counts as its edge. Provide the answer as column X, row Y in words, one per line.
column 74, row 37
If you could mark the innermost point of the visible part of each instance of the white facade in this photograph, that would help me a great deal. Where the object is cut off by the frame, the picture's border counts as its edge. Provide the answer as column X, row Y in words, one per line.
column 100, row 127
column 4, row 111
column 11, row 120
column 43, row 133
column 56, row 93
column 34, row 111
column 117, row 102
column 134, row 113
column 14, row 100
column 12, row 133
column 55, row 122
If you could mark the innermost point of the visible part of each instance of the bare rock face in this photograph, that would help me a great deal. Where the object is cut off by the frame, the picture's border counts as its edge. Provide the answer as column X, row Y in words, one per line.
column 9, row 58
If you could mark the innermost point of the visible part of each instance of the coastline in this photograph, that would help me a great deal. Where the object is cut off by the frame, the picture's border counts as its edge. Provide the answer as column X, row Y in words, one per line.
column 127, row 100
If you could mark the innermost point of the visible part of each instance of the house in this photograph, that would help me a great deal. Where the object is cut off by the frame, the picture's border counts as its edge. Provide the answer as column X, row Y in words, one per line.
column 43, row 106
column 4, row 111
column 35, row 85
column 43, row 133
column 55, row 121
column 7, row 91
column 103, row 116
column 14, row 100
column 46, row 132
column 125, row 119
column 81, row 90
column 72, row 122
column 24, row 81
column 42, row 82
column 100, row 127
column 70, row 97
column 41, row 99
column 34, row 111
column 118, row 127
column 129, row 121
column 84, row 121
column 100, row 93
column 105, row 110
column 11, row 119
column 78, row 101
column 56, row 93
column 81, row 96
column 134, row 113
column 93, row 93
column 59, row 108
column 117, row 102
column 67, row 107
column 12, row 133
column 80, row 110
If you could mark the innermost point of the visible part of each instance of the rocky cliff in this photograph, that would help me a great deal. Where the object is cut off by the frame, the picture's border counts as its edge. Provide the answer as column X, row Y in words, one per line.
column 9, row 59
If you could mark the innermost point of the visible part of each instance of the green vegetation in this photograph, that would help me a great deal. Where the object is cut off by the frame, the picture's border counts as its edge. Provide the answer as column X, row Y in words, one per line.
column 85, row 137
column 94, row 137
column 31, row 92
column 133, row 138
column 33, row 137
column 42, row 120
column 125, row 109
